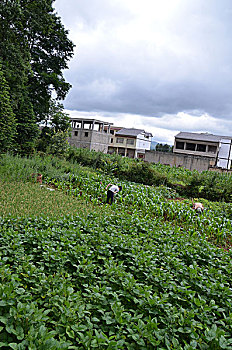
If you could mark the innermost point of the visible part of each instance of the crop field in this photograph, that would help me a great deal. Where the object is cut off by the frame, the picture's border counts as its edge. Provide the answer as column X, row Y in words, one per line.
column 146, row 272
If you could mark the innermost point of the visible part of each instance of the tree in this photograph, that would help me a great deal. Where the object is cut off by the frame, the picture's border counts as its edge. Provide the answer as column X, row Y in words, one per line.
column 34, row 50
column 50, row 50
column 58, row 119
column 57, row 122
column 163, row 147
column 7, row 119
column 27, row 129
column 58, row 144
column 14, row 50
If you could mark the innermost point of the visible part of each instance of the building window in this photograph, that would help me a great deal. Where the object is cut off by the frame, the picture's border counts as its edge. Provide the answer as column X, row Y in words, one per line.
column 87, row 125
column 190, row 146
column 179, row 145
column 86, row 134
column 201, row 148
column 76, row 124
column 212, row 149
column 112, row 140
column 76, row 133
column 112, row 132
column 119, row 139
column 130, row 141
column 96, row 127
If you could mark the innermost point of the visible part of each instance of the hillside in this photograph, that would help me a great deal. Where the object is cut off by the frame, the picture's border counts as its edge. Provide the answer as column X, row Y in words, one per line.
column 153, row 144
column 145, row 273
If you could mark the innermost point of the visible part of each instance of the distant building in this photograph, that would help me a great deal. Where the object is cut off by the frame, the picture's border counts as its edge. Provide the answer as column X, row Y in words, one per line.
column 91, row 134
column 206, row 145
column 130, row 143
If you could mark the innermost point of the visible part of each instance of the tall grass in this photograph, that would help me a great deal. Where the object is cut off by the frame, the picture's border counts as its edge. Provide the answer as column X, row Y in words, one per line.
column 20, row 199
column 16, row 168
column 21, row 196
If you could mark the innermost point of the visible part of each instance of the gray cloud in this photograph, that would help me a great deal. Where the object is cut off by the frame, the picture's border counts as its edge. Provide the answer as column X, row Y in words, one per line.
column 124, row 64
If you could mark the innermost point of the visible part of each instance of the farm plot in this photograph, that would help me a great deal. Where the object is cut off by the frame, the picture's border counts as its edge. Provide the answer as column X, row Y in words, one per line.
column 140, row 274
column 213, row 225
column 121, row 283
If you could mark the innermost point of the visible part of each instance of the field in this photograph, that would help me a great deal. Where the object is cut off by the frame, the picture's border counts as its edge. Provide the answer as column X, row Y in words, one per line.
column 145, row 273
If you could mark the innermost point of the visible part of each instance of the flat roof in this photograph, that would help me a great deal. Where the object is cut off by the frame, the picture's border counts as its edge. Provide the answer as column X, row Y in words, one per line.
column 201, row 136
column 90, row 120
column 132, row 132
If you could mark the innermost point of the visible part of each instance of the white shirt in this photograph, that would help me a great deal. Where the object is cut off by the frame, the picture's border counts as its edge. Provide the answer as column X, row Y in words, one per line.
column 198, row 206
column 114, row 189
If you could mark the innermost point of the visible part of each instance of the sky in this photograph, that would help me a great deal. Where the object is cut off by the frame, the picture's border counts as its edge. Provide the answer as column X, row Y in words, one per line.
column 164, row 66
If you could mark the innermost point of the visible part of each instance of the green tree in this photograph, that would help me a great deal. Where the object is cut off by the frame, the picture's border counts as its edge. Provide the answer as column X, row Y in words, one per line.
column 14, row 50
column 50, row 50
column 57, row 122
column 58, row 144
column 7, row 119
column 34, row 50
column 27, row 129
column 163, row 147
column 58, row 119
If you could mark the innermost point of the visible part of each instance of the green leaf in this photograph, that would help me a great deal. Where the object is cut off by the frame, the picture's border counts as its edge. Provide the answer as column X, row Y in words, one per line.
column 13, row 346
column 223, row 342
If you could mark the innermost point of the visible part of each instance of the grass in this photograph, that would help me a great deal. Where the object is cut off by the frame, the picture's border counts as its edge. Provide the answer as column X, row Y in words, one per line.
column 30, row 200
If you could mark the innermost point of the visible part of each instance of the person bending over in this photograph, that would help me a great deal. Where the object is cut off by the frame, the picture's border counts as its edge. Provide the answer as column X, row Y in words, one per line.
column 111, row 191
column 198, row 207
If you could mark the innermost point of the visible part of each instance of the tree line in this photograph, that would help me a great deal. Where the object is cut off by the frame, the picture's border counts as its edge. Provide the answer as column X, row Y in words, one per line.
column 34, row 51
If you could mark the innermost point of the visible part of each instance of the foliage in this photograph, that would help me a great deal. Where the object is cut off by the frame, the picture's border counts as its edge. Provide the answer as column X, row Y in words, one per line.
column 27, row 130
column 54, row 135
column 140, row 274
column 209, row 185
column 58, row 144
column 160, row 147
column 28, row 200
column 143, row 173
column 14, row 50
column 111, row 284
column 7, row 119
column 58, row 120
column 50, row 51
column 34, row 50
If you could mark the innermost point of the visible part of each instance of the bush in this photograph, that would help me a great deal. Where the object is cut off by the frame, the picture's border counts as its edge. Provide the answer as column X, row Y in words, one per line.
column 141, row 172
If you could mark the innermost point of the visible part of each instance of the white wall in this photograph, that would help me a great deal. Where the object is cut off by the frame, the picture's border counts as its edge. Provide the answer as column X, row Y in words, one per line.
column 142, row 142
column 224, row 154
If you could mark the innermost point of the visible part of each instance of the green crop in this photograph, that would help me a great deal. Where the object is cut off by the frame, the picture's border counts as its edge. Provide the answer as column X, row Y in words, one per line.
column 145, row 273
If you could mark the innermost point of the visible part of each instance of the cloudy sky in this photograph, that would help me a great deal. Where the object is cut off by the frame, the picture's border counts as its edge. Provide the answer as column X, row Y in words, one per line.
column 161, row 65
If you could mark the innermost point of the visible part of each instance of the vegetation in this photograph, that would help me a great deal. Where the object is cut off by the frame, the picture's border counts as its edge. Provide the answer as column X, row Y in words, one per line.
column 163, row 147
column 34, row 51
column 7, row 120
column 209, row 185
column 145, row 273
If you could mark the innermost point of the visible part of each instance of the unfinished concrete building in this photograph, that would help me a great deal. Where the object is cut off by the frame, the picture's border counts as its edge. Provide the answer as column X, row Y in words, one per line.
column 218, row 148
column 91, row 134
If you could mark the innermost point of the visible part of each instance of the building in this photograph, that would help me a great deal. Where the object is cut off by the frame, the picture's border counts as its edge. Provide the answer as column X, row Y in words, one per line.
column 130, row 143
column 92, row 134
column 205, row 145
